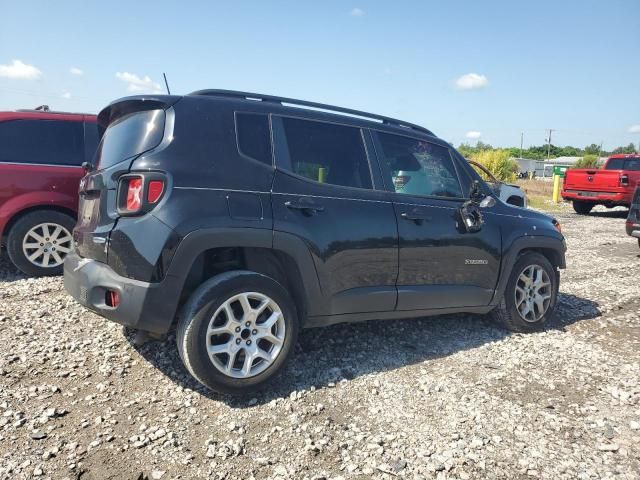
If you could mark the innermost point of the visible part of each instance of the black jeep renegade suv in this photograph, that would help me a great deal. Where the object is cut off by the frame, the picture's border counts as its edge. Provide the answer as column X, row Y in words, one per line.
column 244, row 217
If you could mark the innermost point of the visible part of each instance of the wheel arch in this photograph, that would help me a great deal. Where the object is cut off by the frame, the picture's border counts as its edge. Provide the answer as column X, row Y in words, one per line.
column 34, row 208
column 550, row 247
column 204, row 254
column 516, row 201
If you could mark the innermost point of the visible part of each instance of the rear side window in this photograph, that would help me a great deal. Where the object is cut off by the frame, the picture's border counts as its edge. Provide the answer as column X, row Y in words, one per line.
column 130, row 135
column 632, row 164
column 418, row 167
column 48, row 142
column 254, row 138
column 327, row 153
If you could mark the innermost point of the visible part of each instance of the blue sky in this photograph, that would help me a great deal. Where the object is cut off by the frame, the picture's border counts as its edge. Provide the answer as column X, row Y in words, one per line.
column 573, row 66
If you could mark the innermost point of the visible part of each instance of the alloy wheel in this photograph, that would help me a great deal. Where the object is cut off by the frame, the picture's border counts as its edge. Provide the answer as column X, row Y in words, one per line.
column 245, row 335
column 533, row 293
column 47, row 244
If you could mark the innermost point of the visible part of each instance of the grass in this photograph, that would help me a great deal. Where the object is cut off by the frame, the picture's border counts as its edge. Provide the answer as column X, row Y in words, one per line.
column 540, row 195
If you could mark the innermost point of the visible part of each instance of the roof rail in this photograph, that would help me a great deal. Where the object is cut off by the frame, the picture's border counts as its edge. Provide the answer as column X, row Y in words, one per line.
column 305, row 103
column 53, row 112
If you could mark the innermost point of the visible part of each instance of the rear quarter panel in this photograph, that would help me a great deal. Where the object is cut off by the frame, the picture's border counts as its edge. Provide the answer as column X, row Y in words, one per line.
column 25, row 186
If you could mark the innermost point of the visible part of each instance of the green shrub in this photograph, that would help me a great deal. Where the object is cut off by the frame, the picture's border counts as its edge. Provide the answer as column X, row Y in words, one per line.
column 498, row 162
column 588, row 161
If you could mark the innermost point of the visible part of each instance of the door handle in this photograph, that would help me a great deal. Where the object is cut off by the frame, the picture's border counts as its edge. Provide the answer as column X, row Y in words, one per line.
column 306, row 208
column 415, row 217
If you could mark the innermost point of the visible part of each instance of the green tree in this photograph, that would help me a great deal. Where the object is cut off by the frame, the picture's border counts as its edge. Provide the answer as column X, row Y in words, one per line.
column 631, row 148
column 592, row 149
column 588, row 161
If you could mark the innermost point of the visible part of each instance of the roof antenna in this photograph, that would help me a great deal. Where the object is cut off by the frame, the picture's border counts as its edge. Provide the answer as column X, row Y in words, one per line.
column 166, row 83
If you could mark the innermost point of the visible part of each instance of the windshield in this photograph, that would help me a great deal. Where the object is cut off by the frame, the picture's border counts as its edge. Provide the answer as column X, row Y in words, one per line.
column 632, row 164
column 130, row 135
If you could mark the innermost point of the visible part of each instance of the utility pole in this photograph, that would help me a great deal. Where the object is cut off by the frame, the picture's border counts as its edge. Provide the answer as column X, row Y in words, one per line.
column 598, row 155
column 521, row 142
column 549, row 144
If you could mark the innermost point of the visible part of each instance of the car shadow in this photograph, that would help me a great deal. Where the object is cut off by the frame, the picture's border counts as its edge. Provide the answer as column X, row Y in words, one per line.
column 615, row 213
column 326, row 356
column 8, row 272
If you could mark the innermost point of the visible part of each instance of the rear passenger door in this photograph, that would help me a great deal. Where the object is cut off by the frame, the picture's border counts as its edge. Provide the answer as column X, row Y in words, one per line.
column 325, row 192
column 441, row 265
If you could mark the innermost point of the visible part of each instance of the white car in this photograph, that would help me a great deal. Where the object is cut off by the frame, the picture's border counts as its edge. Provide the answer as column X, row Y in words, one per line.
column 511, row 194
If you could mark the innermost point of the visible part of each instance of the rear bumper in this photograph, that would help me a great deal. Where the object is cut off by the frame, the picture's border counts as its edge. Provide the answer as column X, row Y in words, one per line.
column 145, row 306
column 618, row 198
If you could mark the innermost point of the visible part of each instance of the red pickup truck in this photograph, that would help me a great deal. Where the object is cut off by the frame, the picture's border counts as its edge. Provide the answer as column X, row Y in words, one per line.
column 611, row 186
column 41, row 153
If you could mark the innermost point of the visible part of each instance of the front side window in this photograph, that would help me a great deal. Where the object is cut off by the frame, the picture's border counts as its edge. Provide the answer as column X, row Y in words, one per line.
column 254, row 138
column 418, row 167
column 49, row 142
column 327, row 153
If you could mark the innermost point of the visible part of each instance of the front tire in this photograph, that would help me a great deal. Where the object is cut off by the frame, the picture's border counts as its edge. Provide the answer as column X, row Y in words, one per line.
column 39, row 242
column 582, row 208
column 237, row 331
column 530, row 294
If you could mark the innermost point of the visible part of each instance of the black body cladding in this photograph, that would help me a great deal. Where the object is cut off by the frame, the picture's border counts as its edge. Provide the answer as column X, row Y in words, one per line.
column 346, row 244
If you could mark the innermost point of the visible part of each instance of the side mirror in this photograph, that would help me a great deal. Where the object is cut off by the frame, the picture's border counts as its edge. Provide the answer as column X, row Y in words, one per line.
column 87, row 167
column 470, row 218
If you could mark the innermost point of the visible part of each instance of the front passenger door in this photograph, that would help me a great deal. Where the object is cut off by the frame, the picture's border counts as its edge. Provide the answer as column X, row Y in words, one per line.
column 441, row 265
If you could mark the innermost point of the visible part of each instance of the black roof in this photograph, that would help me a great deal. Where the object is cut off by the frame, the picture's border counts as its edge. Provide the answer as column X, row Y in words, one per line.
column 314, row 105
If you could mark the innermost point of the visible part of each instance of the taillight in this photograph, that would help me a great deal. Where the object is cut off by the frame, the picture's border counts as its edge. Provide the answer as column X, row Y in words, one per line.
column 139, row 193
column 624, row 180
column 399, row 181
column 154, row 191
column 134, row 194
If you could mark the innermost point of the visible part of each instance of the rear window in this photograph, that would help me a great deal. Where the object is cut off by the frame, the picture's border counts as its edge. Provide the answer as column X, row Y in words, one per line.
column 47, row 142
column 130, row 135
column 624, row 164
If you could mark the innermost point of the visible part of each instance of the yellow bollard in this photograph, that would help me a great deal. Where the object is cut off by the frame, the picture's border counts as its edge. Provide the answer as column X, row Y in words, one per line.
column 556, row 188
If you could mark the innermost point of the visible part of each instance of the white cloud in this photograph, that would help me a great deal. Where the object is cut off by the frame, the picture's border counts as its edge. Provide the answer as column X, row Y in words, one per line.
column 471, row 81
column 19, row 70
column 66, row 95
column 137, row 84
column 356, row 12
column 473, row 134
column 75, row 71
column 634, row 129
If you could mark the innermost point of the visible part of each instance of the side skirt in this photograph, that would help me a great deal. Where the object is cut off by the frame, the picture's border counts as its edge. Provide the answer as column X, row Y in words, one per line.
column 325, row 320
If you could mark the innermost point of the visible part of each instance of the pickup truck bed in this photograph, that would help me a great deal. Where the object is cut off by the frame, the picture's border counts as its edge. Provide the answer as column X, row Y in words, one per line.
column 612, row 185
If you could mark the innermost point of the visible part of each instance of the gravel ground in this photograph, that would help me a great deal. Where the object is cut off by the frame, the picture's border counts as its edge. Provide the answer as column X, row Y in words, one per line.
column 445, row 397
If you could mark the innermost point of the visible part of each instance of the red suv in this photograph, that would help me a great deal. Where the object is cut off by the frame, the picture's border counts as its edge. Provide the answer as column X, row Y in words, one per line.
column 41, row 156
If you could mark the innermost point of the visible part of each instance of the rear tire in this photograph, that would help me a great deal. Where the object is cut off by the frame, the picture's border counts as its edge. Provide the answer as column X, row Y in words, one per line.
column 520, row 295
column 46, row 257
column 225, row 343
column 582, row 208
